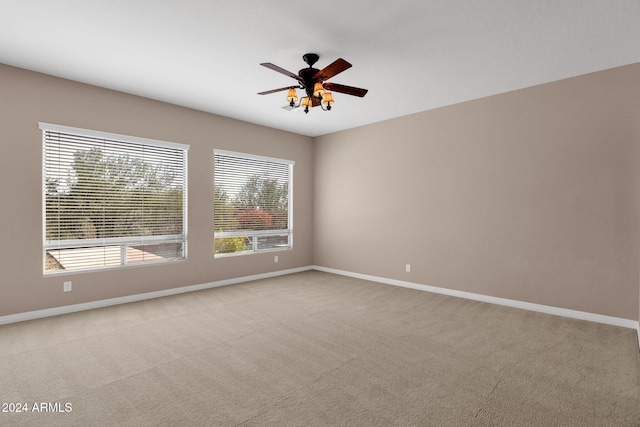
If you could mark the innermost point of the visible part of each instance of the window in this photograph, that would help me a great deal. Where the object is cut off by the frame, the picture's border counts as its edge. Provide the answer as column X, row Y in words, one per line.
column 252, row 203
column 111, row 200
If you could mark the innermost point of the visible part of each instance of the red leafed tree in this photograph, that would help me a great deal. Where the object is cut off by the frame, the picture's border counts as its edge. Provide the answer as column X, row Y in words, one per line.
column 254, row 219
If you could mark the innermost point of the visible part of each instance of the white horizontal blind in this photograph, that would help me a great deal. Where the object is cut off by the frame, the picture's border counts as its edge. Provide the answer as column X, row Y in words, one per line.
column 252, row 203
column 109, row 201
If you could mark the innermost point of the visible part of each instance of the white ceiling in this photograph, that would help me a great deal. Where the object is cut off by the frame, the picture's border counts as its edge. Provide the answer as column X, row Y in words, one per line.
column 412, row 55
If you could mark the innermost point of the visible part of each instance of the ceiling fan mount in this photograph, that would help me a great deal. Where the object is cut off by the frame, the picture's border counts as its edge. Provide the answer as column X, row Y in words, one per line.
column 314, row 82
column 310, row 58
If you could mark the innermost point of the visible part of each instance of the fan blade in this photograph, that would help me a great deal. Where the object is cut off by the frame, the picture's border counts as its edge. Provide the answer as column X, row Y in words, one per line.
column 280, row 70
column 337, row 66
column 349, row 90
column 276, row 90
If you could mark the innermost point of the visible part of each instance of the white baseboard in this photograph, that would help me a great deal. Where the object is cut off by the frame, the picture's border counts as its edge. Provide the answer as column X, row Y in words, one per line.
column 30, row 315
column 592, row 317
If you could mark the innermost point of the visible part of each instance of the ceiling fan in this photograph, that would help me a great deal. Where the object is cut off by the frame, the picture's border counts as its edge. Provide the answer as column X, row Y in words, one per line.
column 313, row 81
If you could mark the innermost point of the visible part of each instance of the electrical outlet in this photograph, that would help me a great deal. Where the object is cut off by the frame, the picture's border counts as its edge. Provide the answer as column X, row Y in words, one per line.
column 275, row 258
column 66, row 286
column 407, row 268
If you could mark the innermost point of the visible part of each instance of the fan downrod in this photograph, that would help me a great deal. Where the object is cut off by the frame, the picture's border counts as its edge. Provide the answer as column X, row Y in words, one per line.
column 310, row 58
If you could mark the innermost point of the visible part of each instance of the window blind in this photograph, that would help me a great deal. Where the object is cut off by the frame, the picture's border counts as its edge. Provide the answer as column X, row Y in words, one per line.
column 111, row 200
column 252, row 203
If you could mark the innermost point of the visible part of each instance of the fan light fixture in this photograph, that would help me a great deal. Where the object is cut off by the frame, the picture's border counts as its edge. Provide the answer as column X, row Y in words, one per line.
column 314, row 82
column 319, row 97
column 292, row 97
column 318, row 90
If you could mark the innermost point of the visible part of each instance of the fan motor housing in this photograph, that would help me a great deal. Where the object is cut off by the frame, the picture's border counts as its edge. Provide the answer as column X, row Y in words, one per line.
column 306, row 74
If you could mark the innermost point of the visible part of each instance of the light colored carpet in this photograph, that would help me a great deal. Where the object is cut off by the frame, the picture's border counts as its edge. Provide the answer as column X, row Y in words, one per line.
column 316, row 349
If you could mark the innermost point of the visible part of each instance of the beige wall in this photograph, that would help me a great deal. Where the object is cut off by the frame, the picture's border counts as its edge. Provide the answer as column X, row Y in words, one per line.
column 529, row 195
column 27, row 98
column 637, row 157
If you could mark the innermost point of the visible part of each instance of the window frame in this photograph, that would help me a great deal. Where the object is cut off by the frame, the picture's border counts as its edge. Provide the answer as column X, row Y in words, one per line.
column 122, row 241
column 256, row 234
